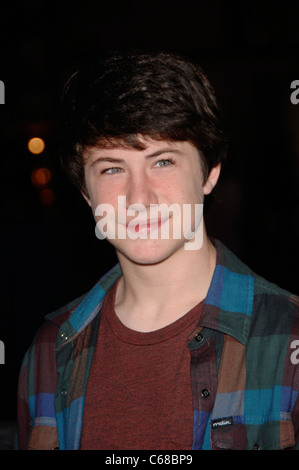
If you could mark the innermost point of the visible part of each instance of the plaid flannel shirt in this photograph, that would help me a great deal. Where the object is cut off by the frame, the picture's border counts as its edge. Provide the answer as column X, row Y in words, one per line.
column 243, row 364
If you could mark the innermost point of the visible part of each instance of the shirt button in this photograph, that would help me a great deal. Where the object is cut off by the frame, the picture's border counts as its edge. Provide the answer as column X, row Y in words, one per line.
column 64, row 392
column 199, row 337
column 205, row 393
column 256, row 447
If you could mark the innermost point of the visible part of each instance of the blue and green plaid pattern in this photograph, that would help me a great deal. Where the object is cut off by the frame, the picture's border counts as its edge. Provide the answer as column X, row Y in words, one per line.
column 244, row 384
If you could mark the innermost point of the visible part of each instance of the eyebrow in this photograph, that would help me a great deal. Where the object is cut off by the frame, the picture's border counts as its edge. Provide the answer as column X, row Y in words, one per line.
column 108, row 159
column 121, row 160
column 162, row 151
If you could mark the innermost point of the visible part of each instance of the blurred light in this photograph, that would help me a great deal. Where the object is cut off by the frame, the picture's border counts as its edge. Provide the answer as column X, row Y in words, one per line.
column 41, row 177
column 36, row 145
column 47, row 196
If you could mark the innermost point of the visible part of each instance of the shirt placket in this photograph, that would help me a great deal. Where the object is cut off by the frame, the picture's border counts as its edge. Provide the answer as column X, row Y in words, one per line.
column 203, row 368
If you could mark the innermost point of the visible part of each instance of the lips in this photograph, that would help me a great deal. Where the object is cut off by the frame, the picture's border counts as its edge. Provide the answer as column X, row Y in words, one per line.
column 144, row 226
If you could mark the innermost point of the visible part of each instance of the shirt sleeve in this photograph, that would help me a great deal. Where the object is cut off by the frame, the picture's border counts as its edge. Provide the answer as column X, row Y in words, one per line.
column 36, row 391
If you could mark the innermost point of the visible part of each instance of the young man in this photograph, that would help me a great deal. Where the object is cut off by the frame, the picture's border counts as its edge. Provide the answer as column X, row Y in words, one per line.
column 180, row 346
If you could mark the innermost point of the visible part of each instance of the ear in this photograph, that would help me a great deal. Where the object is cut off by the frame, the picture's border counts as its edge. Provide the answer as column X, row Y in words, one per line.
column 212, row 179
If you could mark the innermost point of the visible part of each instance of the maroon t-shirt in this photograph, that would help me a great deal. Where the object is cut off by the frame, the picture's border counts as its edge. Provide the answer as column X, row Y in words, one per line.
column 139, row 390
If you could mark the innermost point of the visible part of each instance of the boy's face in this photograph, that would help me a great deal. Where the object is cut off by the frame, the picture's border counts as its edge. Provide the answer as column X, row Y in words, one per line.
column 165, row 174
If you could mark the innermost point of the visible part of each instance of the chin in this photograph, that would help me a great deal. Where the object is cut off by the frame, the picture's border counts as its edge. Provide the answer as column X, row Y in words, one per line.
column 148, row 252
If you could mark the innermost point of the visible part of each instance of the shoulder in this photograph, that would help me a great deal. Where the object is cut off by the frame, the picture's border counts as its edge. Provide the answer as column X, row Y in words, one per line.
column 274, row 297
column 46, row 336
column 271, row 308
column 275, row 310
column 40, row 358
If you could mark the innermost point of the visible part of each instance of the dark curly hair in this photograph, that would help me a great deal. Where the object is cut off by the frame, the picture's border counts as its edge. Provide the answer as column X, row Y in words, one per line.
column 117, row 99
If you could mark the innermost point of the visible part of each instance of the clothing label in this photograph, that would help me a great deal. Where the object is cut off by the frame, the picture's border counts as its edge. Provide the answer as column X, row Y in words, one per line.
column 222, row 422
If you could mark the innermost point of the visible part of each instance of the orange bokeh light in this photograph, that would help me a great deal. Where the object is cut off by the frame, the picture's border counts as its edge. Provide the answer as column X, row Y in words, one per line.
column 36, row 145
column 41, row 177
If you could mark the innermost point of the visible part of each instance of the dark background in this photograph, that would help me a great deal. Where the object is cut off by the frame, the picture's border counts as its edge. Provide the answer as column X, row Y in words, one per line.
column 49, row 252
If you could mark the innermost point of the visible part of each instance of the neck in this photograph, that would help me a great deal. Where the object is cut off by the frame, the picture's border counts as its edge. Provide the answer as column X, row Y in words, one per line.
column 150, row 297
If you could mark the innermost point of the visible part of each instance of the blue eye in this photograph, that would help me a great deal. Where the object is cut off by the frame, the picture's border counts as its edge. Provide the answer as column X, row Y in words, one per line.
column 112, row 171
column 162, row 163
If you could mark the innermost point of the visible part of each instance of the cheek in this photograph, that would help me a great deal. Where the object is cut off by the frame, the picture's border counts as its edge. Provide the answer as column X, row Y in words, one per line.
column 186, row 186
column 101, row 193
column 196, row 188
column 190, row 193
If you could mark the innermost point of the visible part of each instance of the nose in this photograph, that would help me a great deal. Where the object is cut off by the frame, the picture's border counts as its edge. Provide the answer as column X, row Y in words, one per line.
column 140, row 191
